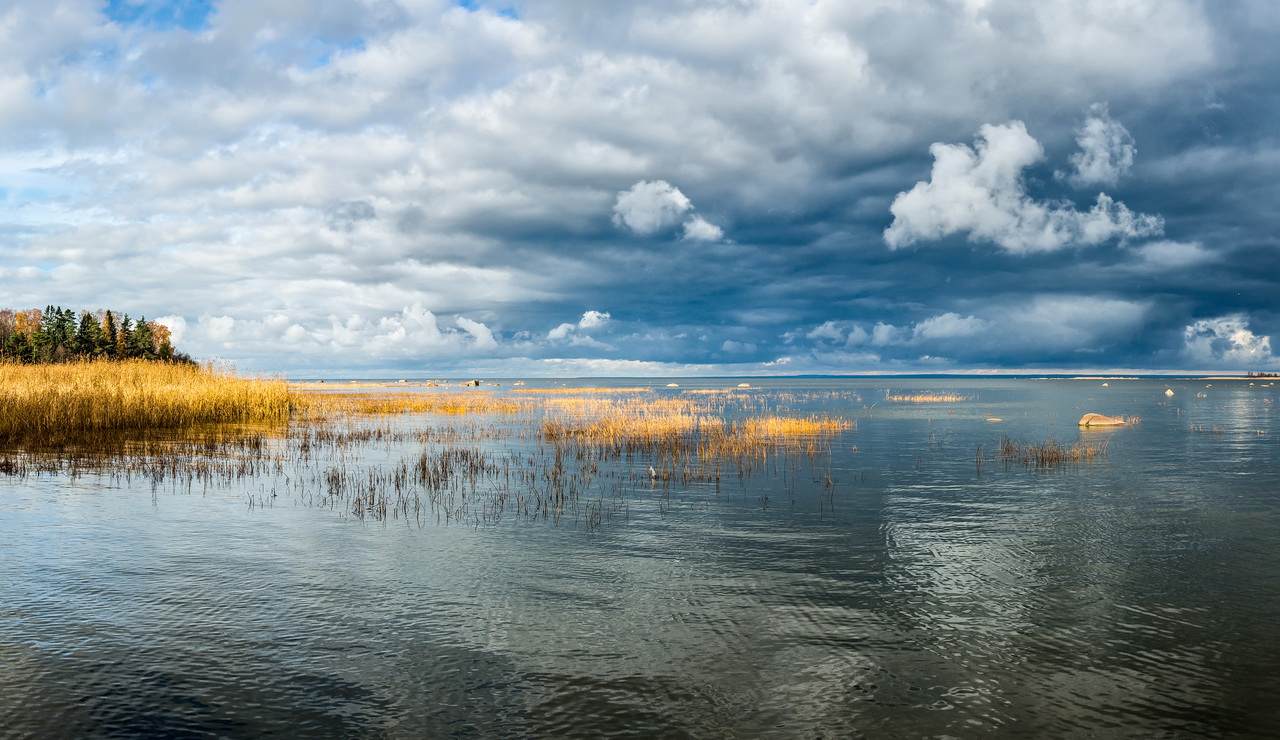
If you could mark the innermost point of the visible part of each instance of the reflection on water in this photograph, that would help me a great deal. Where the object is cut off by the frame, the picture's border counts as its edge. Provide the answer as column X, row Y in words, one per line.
column 920, row 595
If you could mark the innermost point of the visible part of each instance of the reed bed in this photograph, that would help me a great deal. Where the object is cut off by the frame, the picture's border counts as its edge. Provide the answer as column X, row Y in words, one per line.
column 583, row 456
column 1051, row 454
column 373, row 404
column 45, row 406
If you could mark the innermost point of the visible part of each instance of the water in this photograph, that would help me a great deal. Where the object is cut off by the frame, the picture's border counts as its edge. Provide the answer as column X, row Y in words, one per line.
column 923, row 595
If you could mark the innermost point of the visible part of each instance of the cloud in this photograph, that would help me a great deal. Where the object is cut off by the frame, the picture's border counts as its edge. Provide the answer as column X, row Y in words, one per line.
column 1056, row 325
column 649, row 207
column 332, row 185
column 561, row 332
column 981, row 191
column 699, row 229
column 344, row 216
column 177, row 328
column 1172, row 255
column 1226, row 340
column 948, row 326
column 481, row 336
column 1106, row 150
column 568, row 331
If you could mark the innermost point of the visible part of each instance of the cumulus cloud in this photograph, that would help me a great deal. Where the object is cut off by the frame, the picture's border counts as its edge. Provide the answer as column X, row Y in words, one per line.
column 481, row 336
column 1056, row 325
column 1226, row 340
column 1106, row 150
column 590, row 320
column 948, row 326
column 338, row 184
column 562, row 331
column 410, row 333
column 650, row 206
column 981, row 191
column 699, row 229
column 653, row 206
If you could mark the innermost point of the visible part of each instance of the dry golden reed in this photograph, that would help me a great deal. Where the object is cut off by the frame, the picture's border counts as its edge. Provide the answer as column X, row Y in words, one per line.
column 51, row 405
column 404, row 403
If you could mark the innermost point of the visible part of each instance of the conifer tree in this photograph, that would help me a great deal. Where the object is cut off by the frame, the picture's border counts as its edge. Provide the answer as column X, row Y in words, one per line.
column 122, row 337
column 109, row 335
column 140, row 342
column 89, row 338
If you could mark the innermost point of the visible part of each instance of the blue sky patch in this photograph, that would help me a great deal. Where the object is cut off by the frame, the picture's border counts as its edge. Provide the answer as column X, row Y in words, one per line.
column 190, row 15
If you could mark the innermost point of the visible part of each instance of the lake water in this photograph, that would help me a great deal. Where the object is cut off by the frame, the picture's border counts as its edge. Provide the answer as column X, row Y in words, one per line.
column 918, row 593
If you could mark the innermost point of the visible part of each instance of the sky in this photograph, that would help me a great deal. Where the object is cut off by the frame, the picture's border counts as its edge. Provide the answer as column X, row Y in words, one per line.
column 425, row 188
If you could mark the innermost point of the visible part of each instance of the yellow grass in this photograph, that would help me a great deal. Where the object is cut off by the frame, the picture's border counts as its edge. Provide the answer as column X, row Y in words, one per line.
column 403, row 403
column 43, row 405
column 670, row 425
column 777, row 426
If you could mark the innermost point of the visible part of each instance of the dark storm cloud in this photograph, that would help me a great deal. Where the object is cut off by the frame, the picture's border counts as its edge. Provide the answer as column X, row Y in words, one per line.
column 731, row 187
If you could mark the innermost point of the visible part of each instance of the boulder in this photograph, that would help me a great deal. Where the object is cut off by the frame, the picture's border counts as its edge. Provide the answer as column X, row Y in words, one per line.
column 1098, row 420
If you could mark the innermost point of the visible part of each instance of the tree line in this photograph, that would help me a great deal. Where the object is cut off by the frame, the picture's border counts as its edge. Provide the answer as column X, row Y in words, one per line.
column 60, row 335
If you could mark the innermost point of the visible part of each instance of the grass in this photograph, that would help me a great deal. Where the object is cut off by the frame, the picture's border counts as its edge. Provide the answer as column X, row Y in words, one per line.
column 404, row 403
column 471, row 457
column 45, row 406
column 1051, row 454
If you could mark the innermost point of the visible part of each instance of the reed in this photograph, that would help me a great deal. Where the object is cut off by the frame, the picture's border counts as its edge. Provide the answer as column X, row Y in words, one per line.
column 578, row 456
column 372, row 404
column 55, row 405
column 1051, row 454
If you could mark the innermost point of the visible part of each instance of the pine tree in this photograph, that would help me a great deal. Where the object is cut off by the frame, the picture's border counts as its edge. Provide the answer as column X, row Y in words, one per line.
column 109, row 335
column 89, row 338
column 141, row 344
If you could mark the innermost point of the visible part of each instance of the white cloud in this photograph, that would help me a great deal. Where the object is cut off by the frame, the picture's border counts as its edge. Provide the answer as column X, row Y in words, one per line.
column 568, row 331
column 736, row 347
column 981, row 191
column 562, row 331
column 1171, row 255
column 177, row 328
column 649, row 207
column 699, row 229
column 300, row 173
column 828, row 330
column 481, row 336
column 1226, row 340
column 1106, row 150
column 948, row 326
column 653, row 206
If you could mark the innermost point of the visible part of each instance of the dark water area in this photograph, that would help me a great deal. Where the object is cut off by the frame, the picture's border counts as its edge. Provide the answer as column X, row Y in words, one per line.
column 928, row 590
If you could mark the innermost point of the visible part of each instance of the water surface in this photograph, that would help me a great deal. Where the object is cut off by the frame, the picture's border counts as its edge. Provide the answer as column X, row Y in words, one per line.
column 922, row 593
